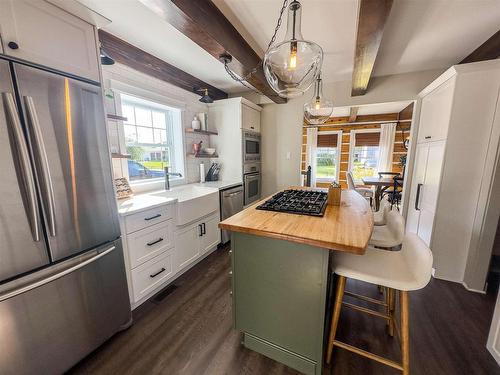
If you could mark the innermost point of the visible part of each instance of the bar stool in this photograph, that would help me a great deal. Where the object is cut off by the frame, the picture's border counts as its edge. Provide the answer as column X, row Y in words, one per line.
column 391, row 234
column 364, row 191
column 380, row 216
column 397, row 271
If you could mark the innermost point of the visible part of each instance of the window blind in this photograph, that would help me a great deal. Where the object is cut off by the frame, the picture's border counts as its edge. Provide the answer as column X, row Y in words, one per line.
column 367, row 139
column 327, row 140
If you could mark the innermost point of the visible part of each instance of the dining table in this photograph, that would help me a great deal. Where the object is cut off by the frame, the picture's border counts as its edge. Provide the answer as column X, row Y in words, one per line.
column 381, row 184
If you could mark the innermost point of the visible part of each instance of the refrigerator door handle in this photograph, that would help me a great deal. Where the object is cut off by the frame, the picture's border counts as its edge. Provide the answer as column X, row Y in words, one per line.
column 58, row 275
column 44, row 163
column 27, row 172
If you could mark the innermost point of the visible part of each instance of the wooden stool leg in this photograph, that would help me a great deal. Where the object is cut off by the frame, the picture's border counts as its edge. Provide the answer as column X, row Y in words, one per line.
column 390, row 310
column 335, row 316
column 405, row 332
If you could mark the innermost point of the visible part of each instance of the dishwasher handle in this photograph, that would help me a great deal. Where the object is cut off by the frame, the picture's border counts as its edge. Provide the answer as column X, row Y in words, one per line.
column 232, row 194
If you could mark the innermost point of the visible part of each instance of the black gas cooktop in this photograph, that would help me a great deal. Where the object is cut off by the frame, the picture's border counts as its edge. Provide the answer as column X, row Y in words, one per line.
column 302, row 202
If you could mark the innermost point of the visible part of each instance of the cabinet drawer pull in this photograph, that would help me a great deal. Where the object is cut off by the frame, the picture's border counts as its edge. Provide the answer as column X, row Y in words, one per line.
column 428, row 137
column 157, row 273
column 417, row 199
column 152, row 217
column 154, row 242
column 204, row 229
column 201, row 230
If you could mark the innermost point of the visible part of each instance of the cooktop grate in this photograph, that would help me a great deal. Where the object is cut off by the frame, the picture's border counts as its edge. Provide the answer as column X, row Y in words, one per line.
column 301, row 202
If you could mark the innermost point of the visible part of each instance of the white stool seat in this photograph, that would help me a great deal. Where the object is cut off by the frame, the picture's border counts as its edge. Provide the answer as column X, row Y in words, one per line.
column 391, row 234
column 406, row 270
column 380, row 216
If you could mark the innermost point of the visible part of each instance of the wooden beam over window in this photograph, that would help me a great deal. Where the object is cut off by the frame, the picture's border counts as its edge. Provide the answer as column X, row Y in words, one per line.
column 129, row 55
column 353, row 113
column 372, row 17
column 204, row 24
column 489, row 50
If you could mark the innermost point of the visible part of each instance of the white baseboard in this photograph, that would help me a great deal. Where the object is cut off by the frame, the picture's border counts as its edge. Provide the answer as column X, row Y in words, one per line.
column 458, row 282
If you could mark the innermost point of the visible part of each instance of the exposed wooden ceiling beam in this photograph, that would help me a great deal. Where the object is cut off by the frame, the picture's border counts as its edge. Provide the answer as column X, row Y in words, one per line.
column 204, row 23
column 372, row 17
column 353, row 113
column 489, row 50
column 406, row 113
column 127, row 54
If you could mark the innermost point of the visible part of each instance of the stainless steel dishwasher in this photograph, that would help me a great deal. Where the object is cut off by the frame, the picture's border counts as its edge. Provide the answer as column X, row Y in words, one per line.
column 231, row 203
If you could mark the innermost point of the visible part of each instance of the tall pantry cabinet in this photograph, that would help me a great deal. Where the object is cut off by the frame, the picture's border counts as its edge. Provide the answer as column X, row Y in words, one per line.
column 454, row 205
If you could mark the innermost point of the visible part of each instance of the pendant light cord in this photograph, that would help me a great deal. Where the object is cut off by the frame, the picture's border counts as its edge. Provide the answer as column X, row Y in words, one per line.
column 243, row 80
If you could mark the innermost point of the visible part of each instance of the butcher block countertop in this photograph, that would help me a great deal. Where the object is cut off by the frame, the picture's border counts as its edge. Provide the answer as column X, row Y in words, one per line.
column 347, row 227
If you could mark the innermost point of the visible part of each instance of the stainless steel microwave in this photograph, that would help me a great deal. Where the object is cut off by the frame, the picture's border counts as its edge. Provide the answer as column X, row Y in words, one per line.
column 251, row 146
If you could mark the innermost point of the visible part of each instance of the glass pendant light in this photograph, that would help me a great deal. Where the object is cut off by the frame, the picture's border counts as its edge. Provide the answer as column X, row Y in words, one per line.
column 292, row 66
column 318, row 110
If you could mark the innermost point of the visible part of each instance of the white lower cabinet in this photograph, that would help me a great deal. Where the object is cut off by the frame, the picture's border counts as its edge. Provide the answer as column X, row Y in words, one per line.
column 195, row 239
column 153, row 273
column 157, row 251
column 187, row 243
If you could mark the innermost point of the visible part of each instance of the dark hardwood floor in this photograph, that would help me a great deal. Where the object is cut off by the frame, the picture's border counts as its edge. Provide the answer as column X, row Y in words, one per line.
column 190, row 331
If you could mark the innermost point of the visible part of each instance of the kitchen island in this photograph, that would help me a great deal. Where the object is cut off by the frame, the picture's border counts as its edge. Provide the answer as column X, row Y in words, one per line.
column 280, row 276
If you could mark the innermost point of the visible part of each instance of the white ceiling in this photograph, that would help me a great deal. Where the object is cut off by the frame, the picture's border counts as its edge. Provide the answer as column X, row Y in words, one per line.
column 420, row 34
column 136, row 24
column 373, row 109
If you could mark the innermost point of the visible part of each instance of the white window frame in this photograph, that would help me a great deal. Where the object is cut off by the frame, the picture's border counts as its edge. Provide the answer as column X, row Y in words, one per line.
column 157, row 183
column 352, row 142
column 339, row 152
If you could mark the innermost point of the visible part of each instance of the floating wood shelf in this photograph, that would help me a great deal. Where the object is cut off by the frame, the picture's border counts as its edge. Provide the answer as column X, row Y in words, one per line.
column 206, row 132
column 120, row 156
column 208, row 156
column 116, row 117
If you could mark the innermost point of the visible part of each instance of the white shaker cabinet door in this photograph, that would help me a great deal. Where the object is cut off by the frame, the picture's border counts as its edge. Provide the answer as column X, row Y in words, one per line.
column 211, row 236
column 250, row 118
column 430, row 190
column 39, row 32
column 417, row 183
column 435, row 113
column 187, row 246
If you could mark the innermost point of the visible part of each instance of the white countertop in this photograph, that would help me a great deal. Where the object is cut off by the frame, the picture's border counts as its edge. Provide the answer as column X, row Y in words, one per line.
column 145, row 201
column 220, row 184
column 142, row 202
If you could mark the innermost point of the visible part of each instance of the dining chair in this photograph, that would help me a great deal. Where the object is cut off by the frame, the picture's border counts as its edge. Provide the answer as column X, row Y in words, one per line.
column 398, row 272
column 394, row 192
column 380, row 216
column 364, row 191
column 391, row 234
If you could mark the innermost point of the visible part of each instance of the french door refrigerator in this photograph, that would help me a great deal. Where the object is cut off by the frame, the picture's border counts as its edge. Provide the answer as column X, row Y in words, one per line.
column 63, row 289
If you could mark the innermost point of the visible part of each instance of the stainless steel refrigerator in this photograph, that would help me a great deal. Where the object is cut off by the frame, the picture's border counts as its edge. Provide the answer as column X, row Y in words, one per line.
column 63, row 289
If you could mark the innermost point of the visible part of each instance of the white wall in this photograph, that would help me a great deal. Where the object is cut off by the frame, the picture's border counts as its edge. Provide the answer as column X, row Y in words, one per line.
column 282, row 123
column 164, row 93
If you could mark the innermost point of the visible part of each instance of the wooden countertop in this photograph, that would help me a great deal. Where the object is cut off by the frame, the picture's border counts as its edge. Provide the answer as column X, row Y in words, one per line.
column 347, row 227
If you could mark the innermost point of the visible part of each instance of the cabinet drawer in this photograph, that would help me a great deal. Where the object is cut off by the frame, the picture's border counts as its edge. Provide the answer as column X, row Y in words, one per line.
column 147, row 218
column 149, row 242
column 152, row 274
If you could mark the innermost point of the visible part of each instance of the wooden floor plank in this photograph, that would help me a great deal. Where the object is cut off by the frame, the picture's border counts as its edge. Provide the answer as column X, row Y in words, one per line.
column 190, row 332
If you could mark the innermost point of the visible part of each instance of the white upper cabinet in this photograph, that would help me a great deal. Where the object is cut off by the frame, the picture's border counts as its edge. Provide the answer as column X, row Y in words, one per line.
column 435, row 113
column 250, row 118
column 42, row 33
